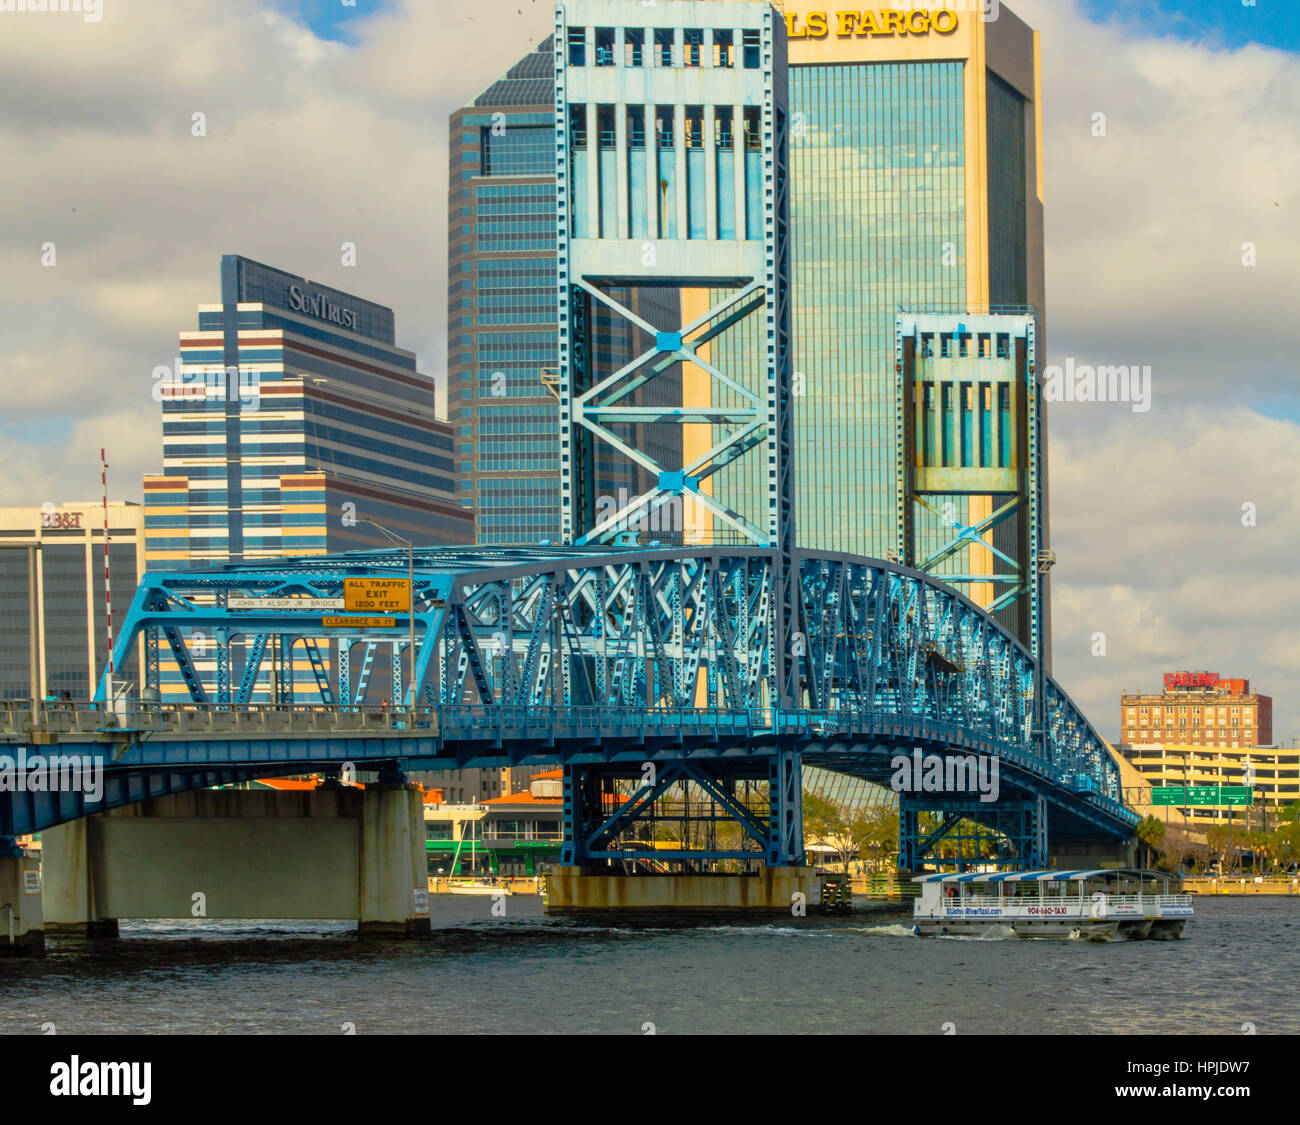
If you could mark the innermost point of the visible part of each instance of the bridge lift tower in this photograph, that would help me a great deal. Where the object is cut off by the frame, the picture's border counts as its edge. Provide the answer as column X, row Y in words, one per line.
column 671, row 173
column 971, row 507
column 970, row 471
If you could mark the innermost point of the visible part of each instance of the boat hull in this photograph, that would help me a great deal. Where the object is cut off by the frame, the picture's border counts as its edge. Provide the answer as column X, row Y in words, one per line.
column 1166, row 929
column 1087, row 929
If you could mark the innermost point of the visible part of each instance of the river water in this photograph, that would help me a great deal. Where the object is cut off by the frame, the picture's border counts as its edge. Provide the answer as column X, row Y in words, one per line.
column 1237, row 964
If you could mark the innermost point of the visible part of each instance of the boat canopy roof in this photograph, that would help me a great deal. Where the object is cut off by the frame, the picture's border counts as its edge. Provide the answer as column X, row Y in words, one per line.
column 1040, row 876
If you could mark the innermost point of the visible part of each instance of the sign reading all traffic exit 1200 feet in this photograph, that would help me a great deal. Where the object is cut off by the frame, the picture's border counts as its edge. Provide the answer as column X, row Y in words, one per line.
column 377, row 595
column 1202, row 795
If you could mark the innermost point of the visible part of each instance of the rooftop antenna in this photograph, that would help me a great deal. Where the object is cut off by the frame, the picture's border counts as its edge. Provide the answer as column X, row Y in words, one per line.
column 108, row 596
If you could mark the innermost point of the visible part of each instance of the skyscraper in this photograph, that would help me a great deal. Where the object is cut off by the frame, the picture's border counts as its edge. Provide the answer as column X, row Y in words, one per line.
column 293, row 425
column 916, row 183
column 291, row 419
column 503, row 333
column 501, row 324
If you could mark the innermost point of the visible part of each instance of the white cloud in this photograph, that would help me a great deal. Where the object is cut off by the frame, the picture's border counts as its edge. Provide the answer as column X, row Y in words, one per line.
column 312, row 143
column 1153, row 552
column 309, row 144
column 1146, row 225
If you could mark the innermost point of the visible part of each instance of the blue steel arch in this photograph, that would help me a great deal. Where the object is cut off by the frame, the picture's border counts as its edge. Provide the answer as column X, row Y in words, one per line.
column 603, row 655
column 671, row 627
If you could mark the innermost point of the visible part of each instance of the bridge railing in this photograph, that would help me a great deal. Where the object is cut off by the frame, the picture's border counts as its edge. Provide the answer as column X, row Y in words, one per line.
column 18, row 720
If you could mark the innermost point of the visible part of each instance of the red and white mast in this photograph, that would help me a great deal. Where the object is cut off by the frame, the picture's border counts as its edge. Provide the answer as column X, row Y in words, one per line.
column 108, row 596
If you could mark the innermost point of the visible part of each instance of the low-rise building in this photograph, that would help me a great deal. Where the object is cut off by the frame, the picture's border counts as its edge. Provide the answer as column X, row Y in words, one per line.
column 53, row 619
column 1272, row 772
column 513, row 834
column 1197, row 709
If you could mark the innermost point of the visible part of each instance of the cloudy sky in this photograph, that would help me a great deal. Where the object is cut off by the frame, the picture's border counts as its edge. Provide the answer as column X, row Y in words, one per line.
column 326, row 123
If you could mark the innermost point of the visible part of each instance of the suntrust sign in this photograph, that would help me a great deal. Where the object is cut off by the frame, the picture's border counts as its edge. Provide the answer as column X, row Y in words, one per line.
column 890, row 22
column 317, row 304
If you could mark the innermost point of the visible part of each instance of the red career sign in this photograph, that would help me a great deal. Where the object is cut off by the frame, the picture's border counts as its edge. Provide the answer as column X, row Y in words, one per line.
column 1191, row 679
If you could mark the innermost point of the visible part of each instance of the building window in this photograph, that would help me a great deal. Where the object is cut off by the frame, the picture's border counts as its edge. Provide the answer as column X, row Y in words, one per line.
column 694, row 43
column 577, row 46
column 723, row 42
column 665, row 38
column 634, row 47
column 604, row 46
column 521, row 150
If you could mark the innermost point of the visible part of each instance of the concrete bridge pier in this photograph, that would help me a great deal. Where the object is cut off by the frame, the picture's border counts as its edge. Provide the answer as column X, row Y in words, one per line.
column 580, row 890
column 21, row 926
column 329, row 853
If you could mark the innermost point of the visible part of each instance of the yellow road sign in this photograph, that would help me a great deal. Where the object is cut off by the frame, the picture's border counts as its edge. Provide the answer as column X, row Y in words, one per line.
column 359, row 622
column 377, row 595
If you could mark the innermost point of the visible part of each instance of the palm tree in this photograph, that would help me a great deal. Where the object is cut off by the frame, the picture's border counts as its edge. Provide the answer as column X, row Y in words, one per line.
column 1151, row 834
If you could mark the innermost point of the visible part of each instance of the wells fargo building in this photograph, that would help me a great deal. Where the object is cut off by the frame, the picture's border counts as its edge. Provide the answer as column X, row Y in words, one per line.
column 916, row 168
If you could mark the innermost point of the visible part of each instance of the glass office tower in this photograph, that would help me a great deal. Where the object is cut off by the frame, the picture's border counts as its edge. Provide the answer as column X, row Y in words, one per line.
column 916, row 184
column 502, row 331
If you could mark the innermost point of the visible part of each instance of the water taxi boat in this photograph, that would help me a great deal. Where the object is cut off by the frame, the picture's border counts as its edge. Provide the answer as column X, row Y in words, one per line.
column 1126, row 903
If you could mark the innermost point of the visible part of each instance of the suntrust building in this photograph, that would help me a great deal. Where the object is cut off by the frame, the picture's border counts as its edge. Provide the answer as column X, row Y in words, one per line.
column 290, row 420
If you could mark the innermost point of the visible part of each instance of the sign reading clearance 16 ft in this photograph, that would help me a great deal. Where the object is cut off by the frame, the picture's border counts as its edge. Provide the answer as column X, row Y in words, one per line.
column 817, row 25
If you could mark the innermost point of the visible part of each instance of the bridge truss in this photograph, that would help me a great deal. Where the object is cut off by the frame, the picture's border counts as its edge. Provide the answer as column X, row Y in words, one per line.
column 890, row 662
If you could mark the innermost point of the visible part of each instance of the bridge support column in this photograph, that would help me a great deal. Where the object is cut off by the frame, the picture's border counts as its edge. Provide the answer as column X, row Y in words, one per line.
column 330, row 853
column 393, row 863
column 71, row 865
column 1020, row 824
column 785, row 816
column 617, row 855
column 21, row 927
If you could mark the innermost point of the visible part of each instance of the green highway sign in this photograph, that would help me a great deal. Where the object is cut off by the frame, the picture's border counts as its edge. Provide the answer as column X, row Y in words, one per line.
column 1231, row 795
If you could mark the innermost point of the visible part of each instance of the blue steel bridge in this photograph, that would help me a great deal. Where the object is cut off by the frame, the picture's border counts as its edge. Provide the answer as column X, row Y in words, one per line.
column 601, row 659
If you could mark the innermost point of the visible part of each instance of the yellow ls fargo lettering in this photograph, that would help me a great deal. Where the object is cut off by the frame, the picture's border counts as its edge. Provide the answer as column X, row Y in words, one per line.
column 889, row 22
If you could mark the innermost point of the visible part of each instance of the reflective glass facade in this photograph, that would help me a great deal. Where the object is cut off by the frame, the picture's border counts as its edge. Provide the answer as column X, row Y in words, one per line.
column 503, row 335
column 878, row 220
column 913, row 163
column 878, row 212
column 501, row 306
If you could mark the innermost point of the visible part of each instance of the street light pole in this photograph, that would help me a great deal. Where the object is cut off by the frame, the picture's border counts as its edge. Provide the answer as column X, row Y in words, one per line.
column 410, row 608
